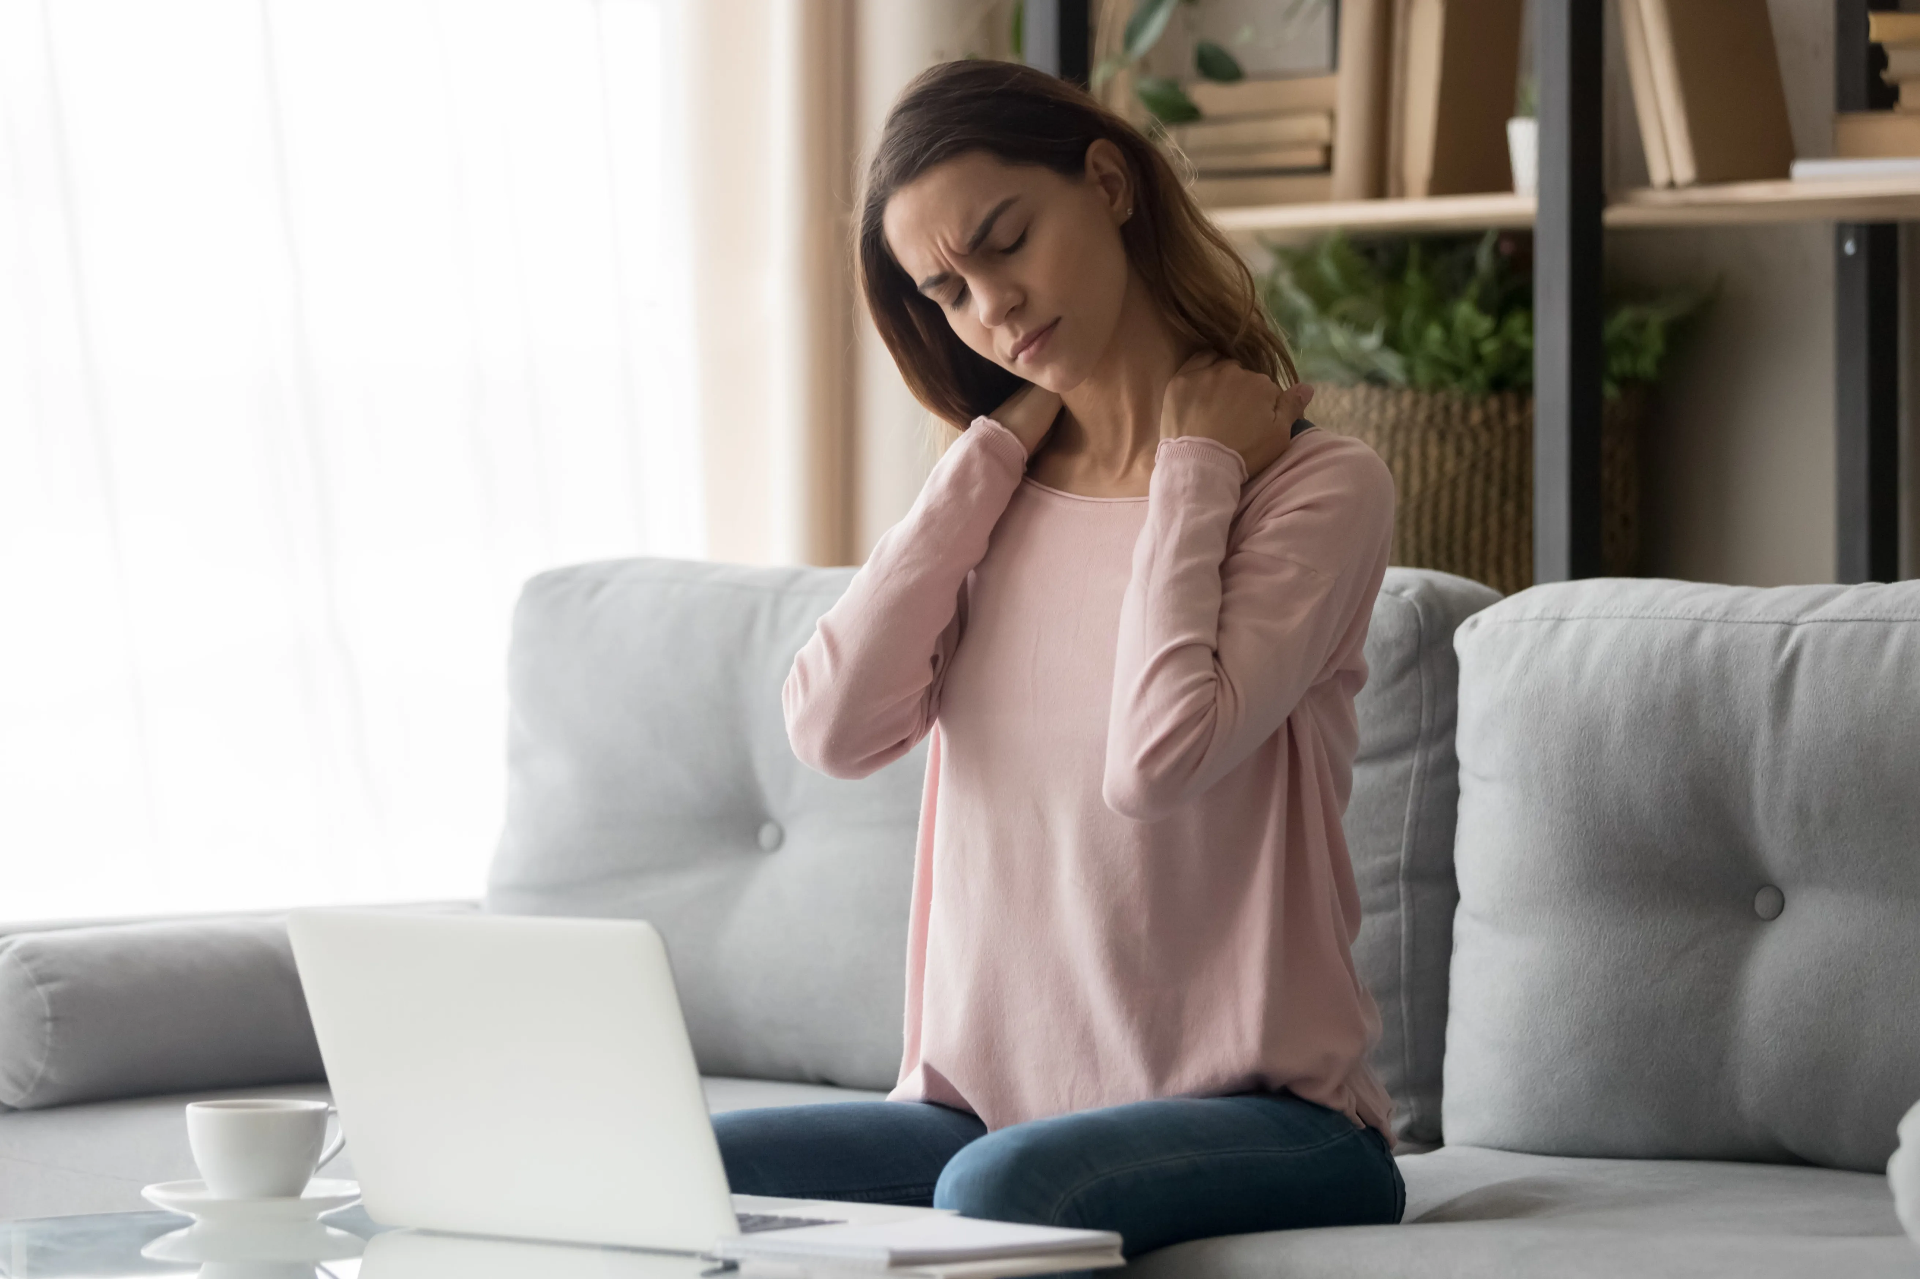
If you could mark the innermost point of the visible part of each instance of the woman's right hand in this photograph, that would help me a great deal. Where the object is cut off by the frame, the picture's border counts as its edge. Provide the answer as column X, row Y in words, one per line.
column 1029, row 413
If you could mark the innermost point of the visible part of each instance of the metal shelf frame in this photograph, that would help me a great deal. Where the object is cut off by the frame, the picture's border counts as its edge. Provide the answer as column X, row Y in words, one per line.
column 1568, row 252
column 1866, row 350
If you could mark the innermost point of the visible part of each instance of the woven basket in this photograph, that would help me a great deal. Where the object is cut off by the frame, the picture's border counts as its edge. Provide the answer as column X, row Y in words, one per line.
column 1463, row 468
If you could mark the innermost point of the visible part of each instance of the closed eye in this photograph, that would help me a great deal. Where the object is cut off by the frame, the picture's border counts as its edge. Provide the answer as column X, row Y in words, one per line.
column 960, row 294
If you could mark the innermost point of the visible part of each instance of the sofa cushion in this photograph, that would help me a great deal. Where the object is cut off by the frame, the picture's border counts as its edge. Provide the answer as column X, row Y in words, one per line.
column 650, row 775
column 127, row 1009
column 1399, row 828
column 1689, row 921
column 1476, row 1212
column 95, row 1158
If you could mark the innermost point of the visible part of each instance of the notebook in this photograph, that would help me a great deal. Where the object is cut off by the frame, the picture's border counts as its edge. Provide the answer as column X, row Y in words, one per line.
column 935, row 1241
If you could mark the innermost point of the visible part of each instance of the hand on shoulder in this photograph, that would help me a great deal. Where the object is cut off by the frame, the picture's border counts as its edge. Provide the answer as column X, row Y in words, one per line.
column 1248, row 412
column 1029, row 413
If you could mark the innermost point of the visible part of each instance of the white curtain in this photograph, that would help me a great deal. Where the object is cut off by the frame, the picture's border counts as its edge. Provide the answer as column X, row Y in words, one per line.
column 323, row 324
column 815, row 446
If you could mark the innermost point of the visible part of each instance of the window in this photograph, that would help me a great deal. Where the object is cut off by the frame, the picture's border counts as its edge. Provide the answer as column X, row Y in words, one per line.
column 323, row 324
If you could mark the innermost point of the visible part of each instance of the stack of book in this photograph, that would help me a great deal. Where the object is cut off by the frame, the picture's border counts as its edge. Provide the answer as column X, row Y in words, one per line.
column 1260, row 141
column 1707, row 90
column 1899, row 35
column 1881, row 142
column 1418, row 106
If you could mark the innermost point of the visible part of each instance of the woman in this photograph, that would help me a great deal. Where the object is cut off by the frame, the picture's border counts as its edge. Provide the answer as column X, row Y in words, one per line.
column 1129, row 607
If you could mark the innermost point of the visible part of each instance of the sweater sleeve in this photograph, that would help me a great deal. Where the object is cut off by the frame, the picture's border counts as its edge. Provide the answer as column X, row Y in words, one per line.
column 1221, row 635
column 866, row 687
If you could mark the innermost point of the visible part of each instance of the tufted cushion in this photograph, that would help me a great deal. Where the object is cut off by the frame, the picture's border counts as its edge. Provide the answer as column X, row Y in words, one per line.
column 1399, row 827
column 650, row 776
column 1689, row 866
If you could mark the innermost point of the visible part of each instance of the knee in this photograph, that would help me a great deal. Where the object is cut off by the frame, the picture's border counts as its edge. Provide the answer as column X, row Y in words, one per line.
column 1014, row 1174
column 759, row 1147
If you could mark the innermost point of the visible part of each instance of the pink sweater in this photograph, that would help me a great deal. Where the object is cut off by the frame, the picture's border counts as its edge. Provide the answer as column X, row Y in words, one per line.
column 1131, row 880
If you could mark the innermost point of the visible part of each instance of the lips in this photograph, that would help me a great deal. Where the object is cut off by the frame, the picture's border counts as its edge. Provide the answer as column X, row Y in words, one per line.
column 1034, row 339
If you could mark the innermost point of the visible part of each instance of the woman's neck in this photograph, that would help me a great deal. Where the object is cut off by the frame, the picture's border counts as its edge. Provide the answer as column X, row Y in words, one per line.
column 1103, row 445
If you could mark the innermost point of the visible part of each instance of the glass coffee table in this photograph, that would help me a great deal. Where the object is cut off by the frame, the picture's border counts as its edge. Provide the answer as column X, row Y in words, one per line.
column 347, row 1246
column 351, row 1245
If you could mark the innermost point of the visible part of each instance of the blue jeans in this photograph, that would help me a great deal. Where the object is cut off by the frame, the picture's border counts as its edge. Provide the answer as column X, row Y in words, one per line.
column 1158, row 1172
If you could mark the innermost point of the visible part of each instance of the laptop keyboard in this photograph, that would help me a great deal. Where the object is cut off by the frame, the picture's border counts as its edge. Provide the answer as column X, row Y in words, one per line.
column 752, row 1223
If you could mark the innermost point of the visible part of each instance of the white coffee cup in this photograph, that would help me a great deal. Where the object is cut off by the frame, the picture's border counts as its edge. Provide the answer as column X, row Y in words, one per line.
column 1903, row 1174
column 267, row 1148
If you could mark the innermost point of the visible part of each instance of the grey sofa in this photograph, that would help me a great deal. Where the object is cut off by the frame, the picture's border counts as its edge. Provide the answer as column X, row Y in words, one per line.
column 1655, row 987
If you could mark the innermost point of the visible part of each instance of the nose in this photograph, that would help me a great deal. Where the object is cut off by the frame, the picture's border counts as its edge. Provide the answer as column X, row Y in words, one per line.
column 994, row 302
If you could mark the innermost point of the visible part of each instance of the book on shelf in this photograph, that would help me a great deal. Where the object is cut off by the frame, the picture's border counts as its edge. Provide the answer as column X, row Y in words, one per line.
column 1284, row 128
column 1262, row 141
column 1893, row 28
column 1903, row 58
column 1865, row 134
column 1365, row 68
column 1455, row 63
column 1669, row 107
column 1903, row 63
column 1883, row 138
column 1715, row 83
column 1241, row 191
column 1276, row 95
column 1292, row 159
column 1646, row 101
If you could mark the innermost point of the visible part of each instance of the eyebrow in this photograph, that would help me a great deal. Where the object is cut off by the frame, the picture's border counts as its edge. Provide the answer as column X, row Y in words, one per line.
column 979, row 233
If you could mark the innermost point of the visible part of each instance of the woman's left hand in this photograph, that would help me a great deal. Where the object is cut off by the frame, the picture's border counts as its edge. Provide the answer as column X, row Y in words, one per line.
column 1246, row 411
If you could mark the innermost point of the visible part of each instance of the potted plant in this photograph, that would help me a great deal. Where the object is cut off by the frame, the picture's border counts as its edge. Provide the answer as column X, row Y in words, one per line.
column 1425, row 350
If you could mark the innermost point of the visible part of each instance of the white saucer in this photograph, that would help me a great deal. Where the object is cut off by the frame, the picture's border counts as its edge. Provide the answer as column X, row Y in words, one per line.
column 193, row 1199
column 302, row 1243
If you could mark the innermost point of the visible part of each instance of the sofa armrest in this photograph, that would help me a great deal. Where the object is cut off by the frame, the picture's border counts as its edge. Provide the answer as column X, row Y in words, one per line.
column 94, row 1012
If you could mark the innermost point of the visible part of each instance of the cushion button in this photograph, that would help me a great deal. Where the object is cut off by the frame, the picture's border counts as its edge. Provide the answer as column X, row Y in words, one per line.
column 1769, row 902
column 771, row 836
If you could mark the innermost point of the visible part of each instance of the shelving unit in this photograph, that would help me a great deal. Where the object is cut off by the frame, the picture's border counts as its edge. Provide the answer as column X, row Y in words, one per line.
column 1728, row 204
column 1568, row 222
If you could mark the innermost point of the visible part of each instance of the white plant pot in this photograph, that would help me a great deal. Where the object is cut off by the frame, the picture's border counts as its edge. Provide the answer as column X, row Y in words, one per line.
column 1523, row 152
column 1903, row 1175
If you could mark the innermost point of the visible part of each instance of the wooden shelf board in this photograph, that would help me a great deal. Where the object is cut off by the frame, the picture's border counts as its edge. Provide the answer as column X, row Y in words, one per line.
column 1379, row 217
column 1748, row 203
column 1725, row 204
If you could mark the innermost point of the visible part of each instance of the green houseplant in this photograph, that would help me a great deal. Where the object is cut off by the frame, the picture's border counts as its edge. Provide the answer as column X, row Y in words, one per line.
column 1424, row 348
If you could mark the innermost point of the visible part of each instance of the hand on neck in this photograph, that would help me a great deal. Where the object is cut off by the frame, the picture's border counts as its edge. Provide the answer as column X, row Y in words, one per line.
column 1104, row 444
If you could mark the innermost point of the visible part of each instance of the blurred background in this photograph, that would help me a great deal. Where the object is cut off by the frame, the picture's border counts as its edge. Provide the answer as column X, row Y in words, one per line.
column 326, row 323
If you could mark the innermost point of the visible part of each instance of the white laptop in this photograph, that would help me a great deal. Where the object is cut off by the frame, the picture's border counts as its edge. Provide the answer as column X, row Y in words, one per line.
column 527, row 1078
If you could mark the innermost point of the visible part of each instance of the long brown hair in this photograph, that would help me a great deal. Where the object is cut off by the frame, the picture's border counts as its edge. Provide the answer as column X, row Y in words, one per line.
column 1025, row 116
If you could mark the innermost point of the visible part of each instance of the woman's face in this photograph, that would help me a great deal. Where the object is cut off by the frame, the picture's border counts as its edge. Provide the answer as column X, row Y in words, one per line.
column 1027, row 265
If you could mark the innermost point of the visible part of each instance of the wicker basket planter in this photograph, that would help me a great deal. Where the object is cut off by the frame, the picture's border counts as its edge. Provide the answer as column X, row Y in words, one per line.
column 1463, row 468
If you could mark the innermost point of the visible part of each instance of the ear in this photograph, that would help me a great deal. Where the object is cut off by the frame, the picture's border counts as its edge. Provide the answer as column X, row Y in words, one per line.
column 1107, row 170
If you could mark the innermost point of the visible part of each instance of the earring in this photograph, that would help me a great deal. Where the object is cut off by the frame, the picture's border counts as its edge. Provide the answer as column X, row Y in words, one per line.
column 1127, row 214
